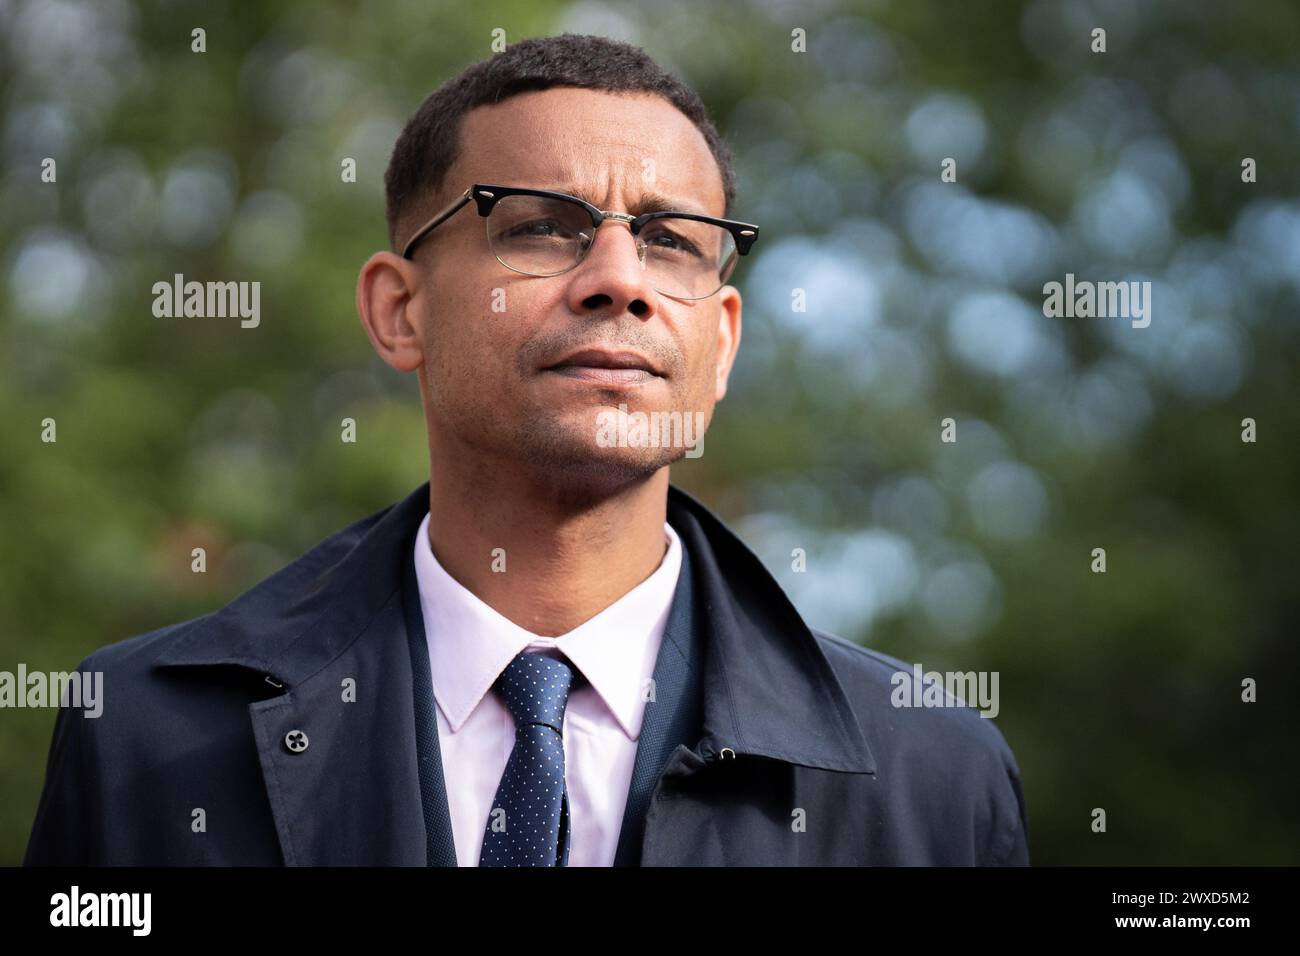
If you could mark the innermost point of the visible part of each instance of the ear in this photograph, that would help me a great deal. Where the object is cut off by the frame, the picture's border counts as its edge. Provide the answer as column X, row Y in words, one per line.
column 388, row 300
column 728, row 343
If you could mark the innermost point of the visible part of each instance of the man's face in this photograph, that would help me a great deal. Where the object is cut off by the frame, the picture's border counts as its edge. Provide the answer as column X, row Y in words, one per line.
column 490, row 382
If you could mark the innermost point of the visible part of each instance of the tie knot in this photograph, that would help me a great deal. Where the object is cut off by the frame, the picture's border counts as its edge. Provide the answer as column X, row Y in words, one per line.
column 535, row 687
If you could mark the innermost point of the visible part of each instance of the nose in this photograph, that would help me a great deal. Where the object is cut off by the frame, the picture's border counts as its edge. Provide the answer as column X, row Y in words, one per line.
column 611, row 277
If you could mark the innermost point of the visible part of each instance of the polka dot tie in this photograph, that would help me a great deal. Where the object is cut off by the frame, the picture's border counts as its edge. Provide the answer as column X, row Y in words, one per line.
column 528, row 824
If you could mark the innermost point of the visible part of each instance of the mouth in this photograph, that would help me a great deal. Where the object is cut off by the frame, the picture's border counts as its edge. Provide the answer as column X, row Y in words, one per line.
column 608, row 368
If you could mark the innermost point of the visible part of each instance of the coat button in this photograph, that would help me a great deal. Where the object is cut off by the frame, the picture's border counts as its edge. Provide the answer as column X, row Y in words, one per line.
column 295, row 741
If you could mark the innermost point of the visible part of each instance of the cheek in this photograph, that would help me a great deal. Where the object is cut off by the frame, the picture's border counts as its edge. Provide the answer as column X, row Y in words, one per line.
column 451, row 341
column 471, row 344
column 698, row 387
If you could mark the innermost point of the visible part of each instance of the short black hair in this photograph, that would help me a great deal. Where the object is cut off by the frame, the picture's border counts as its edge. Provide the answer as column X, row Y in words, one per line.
column 430, row 141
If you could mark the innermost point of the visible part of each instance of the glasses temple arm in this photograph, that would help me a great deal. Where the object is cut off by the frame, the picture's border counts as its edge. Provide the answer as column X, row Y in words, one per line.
column 436, row 221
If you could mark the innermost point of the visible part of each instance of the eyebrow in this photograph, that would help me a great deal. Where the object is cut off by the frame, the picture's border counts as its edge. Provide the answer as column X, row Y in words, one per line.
column 647, row 202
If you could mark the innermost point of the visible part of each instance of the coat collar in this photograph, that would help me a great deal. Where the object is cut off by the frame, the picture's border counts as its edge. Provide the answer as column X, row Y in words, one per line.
column 769, row 690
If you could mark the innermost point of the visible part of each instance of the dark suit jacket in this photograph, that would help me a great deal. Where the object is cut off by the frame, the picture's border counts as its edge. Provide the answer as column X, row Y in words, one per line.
column 766, row 742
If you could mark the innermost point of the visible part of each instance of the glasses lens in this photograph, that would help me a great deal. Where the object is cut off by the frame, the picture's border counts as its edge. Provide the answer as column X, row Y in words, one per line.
column 687, row 258
column 536, row 235
column 541, row 236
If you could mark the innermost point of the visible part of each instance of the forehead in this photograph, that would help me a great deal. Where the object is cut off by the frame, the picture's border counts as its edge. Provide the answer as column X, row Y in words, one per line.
column 608, row 147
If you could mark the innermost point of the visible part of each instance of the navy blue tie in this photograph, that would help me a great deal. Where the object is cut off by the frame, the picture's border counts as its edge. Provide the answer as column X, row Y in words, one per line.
column 528, row 824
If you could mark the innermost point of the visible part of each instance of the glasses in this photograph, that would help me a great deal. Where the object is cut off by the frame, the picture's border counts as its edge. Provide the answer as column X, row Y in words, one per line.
column 537, row 232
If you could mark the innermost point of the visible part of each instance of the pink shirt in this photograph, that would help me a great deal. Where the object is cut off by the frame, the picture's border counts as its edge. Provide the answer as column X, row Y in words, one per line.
column 470, row 644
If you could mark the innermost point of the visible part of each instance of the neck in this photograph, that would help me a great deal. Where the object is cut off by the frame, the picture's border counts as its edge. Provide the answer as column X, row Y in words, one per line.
column 566, row 556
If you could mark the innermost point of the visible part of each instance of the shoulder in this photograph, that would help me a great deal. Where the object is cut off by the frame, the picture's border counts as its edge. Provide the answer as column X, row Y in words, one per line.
column 880, row 686
column 935, row 754
column 137, row 654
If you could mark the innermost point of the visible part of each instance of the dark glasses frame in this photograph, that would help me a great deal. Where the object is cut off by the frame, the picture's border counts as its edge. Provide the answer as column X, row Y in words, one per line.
column 487, row 196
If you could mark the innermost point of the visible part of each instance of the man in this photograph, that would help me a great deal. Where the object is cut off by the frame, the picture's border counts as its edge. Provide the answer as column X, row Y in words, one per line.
column 546, row 655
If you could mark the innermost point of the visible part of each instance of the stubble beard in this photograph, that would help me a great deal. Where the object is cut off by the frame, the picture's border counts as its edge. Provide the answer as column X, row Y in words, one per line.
column 567, row 459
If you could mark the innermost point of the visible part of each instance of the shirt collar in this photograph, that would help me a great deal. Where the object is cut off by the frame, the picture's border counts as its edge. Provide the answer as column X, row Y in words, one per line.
column 470, row 643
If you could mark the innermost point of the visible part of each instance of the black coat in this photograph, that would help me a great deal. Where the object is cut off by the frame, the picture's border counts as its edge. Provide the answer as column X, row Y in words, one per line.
column 769, row 743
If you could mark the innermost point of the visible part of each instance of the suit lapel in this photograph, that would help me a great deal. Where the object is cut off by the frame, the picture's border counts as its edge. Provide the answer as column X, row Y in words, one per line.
column 441, row 848
column 329, row 633
column 769, row 697
column 672, row 718
column 352, row 796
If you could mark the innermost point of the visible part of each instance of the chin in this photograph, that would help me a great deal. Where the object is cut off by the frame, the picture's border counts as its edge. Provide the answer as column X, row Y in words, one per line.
column 572, row 456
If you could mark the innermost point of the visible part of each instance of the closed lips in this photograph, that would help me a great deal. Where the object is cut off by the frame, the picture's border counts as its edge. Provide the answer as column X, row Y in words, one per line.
column 596, row 358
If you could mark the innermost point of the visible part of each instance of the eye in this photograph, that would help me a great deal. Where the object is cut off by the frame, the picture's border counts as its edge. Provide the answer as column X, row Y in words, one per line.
column 539, row 229
column 664, row 238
